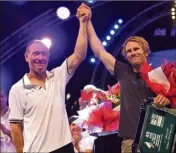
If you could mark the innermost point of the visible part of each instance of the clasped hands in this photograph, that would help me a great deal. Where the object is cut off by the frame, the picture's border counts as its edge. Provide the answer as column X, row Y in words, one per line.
column 84, row 13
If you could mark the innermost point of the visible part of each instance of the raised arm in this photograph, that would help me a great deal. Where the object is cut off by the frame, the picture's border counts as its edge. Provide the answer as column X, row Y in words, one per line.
column 99, row 50
column 17, row 136
column 95, row 43
column 80, row 50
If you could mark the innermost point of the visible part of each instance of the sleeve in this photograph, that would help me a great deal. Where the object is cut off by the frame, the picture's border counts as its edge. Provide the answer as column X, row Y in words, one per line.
column 62, row 73
column 120, row 69
column 90, row 143
column 16, row 110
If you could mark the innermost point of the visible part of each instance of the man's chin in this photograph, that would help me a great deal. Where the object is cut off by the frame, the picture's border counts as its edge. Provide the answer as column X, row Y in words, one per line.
column 41, row 71
column 136, row 63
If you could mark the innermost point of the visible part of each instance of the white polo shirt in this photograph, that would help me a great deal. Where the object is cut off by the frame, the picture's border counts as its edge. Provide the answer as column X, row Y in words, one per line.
column 42, row 111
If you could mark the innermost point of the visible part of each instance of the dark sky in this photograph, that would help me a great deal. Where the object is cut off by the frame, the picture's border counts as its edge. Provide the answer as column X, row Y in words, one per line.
column 63, row 35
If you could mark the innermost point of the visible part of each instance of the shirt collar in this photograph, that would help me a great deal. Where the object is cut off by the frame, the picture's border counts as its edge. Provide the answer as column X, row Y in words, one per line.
column 28, row 85
column 49, row 74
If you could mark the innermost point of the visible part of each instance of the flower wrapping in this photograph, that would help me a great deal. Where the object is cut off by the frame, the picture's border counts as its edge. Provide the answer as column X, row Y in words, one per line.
column 104, row 117
column 86, row 96
column 161, row 80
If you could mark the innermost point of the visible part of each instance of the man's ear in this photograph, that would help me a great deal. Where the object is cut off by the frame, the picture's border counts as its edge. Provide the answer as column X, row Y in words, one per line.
column 124, row 55
column 26, row 57
column 146, row 54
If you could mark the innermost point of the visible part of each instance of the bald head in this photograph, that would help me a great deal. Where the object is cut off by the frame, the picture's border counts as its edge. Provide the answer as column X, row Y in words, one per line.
column 36, row 45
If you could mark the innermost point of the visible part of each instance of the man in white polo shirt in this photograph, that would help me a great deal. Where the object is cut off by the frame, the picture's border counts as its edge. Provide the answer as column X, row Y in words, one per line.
column 38, row 116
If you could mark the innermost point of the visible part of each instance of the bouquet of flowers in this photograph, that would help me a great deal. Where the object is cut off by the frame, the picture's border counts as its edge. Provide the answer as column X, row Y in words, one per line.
column 112, row 95
column 161, row 80
column 99, row 116
column 103, row 117
column 93, row 95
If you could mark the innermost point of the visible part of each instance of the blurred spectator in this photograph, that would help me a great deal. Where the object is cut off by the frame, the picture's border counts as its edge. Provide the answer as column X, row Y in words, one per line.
column 6, row 141
column 82, row 141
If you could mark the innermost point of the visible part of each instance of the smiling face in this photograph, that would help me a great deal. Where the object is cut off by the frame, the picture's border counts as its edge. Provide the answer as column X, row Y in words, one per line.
column 135, row 54
column 136, row 51
column 37, row 56
column 75, row 130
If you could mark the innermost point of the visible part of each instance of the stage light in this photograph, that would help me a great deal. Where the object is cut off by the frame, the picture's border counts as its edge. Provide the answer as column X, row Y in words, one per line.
column 90, row 1
column 108, row 38
column 112, row 32
column 63, row 13
column 173, row 9
column 172, row 13
column 104, row 43
column 120, row 21
column 92, row 60
column 68, row 96
column 47, row 42
column 116, row 26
